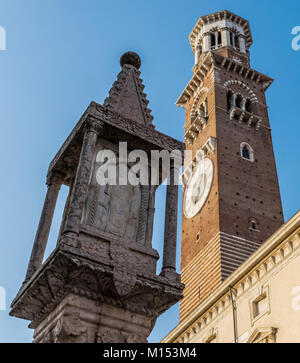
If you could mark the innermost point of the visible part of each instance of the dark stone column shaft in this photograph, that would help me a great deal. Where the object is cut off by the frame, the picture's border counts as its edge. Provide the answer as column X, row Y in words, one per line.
column 170, row 237
column 42, row 234
column 73, row 221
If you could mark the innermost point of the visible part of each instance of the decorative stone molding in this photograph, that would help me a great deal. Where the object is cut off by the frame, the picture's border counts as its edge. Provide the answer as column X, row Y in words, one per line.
column 94, row 126
column 199, row 93
column 212, row 337
column 188, row 170
column 241, row 84
column 210, row 145
column 262, row 293
column 211, row 60
column 69, row 330
column 128, row 79
column 242, row 116
column 263, row 335
column 197, row 125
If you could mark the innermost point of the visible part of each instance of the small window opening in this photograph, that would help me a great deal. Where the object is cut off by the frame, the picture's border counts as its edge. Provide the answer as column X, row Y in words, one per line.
column 231, row 38
column 213, row 41
column 219, row 38
column 239, row 101
column 237, row 42
column 229, row 100
column 248, row 105
column 246, row 153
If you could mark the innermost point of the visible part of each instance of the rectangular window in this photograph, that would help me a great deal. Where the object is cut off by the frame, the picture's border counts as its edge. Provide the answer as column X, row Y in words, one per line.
column 260, row 306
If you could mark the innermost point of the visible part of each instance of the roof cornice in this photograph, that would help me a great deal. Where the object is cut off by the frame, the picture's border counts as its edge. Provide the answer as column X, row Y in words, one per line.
column 213, row 58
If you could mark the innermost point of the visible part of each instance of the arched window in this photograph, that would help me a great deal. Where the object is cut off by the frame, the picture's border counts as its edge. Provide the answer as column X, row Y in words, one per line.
column 247, row 152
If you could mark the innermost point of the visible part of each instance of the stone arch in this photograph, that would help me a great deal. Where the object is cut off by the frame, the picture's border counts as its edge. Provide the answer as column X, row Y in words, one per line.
column 197, row 98
column 241, row 84
column 250, row 150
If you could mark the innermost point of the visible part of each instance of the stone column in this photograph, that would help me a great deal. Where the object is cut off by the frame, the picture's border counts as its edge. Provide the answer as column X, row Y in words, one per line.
column 80, row 187
column 67, row 204
column 143, row 215
column 243, row 104
column 234, row 98
column 225, row 37
column 206, row 42
column 150, row 221
column 170, row 237
column 42, row 234
column 217, row 39
column 242, row 42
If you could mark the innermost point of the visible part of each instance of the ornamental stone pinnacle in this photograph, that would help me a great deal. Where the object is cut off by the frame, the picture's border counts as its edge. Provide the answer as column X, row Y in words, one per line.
column 132, row 59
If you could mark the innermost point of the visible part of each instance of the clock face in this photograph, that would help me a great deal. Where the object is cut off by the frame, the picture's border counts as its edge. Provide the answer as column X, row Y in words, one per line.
column 198, row 188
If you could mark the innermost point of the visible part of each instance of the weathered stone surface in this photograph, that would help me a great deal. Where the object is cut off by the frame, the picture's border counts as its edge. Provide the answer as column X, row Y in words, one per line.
column 100, row 283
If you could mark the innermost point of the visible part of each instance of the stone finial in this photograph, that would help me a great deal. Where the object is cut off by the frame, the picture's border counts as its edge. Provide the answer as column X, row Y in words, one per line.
column 131, row 58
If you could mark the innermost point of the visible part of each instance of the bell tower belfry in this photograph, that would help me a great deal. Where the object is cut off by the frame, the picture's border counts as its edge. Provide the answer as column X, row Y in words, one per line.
column 231, row 201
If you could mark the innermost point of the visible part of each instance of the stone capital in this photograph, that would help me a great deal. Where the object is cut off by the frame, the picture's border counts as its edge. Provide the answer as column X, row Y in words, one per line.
column 94, row 126
column 54, row 179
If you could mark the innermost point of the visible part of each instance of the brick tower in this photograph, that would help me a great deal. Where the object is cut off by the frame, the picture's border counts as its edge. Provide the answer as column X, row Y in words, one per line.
column 231, row 200
column 100, row 283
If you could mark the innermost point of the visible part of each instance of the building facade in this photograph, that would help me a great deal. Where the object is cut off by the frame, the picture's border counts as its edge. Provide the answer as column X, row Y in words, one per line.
column 258, row 303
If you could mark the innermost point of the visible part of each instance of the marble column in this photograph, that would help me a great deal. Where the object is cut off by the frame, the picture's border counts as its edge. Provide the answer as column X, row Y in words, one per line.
column 170, row 237
column 206, row 42
column 242, row 42
column 225, row 37
column 80, row 187
column 243, row 104
column 216, row 39
column 42, row 234
column 234, row 98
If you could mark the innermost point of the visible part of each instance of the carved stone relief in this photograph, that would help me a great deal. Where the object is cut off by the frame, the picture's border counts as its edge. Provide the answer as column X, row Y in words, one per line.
column 116, row 209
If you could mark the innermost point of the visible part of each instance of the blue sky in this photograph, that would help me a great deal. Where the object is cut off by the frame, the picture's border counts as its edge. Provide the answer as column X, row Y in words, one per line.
column 61, row 54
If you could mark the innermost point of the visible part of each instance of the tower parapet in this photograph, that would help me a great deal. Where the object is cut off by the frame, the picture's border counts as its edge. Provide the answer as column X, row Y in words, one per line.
column 224, row 32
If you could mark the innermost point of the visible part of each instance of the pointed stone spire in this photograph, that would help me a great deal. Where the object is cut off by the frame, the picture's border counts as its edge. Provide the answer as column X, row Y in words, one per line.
column 126, row 95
